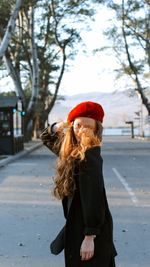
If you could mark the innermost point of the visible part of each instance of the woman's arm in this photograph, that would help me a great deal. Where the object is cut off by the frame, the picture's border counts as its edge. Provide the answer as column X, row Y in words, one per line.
column 52, row 137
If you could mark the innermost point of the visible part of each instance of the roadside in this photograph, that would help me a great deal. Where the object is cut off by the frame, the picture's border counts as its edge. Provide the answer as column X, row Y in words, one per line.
column 28, row 148
column 36, row 143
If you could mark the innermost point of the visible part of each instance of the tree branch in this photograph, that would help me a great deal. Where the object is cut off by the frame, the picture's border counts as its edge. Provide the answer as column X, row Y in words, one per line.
column 35, row 72
column 133, row 68
column 57, row 84
column 10, row 28
column 47, row 28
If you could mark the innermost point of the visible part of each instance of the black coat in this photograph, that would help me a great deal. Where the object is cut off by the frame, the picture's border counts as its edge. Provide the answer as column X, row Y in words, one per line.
column 87, row 212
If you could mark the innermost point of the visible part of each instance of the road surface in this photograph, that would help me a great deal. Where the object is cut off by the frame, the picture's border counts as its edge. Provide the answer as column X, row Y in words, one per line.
column 30, row 216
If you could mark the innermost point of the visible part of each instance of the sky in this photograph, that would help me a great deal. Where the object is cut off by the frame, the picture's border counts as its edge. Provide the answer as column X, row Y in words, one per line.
column 92, row 72
column 88, row 72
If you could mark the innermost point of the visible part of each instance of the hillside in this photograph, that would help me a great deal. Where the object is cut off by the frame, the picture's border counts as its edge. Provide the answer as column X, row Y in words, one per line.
column 119, row 107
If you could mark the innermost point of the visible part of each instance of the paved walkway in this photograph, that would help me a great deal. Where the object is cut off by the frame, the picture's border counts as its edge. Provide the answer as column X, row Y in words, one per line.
column 28, row 148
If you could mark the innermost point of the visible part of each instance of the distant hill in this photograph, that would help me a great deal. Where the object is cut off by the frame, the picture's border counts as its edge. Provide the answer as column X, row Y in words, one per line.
column 119, row 107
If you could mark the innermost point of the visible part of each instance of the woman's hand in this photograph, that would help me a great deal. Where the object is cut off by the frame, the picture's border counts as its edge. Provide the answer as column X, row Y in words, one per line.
column 87, row 248
column 59, row 126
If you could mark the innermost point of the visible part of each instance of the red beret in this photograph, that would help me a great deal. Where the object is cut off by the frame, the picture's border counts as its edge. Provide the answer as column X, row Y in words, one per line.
column 87, row 109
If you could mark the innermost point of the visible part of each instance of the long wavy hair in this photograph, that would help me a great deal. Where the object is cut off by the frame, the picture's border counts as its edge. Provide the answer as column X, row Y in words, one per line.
column 70, row 151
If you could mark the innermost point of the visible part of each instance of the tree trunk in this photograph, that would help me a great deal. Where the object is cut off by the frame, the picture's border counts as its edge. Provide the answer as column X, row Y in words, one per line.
column 10, row 28
column 16, row 79
column 35, row 81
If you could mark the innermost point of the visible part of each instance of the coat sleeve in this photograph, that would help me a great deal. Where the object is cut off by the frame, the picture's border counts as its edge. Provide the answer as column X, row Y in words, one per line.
column 91, row 186
column 51, row 140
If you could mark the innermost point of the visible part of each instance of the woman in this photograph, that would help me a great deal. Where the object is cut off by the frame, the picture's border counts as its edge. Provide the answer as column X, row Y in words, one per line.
column 87, row 237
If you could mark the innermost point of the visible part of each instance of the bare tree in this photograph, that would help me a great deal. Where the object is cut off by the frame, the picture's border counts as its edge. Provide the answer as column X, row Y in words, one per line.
column 130, row 34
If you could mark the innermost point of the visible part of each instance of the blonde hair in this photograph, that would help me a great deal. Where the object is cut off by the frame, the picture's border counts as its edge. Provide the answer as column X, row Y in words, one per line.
column 70, row 151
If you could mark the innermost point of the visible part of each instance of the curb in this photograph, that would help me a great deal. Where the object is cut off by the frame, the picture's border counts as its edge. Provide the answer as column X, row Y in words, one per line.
column 20, row 154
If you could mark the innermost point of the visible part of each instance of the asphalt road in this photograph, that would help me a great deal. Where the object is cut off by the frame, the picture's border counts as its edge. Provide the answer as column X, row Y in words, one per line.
column 30, row 216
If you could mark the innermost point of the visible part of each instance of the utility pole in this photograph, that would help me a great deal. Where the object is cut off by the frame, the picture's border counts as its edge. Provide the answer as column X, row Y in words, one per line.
column 141, row 126
column 132, row 127
column 141, row 120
